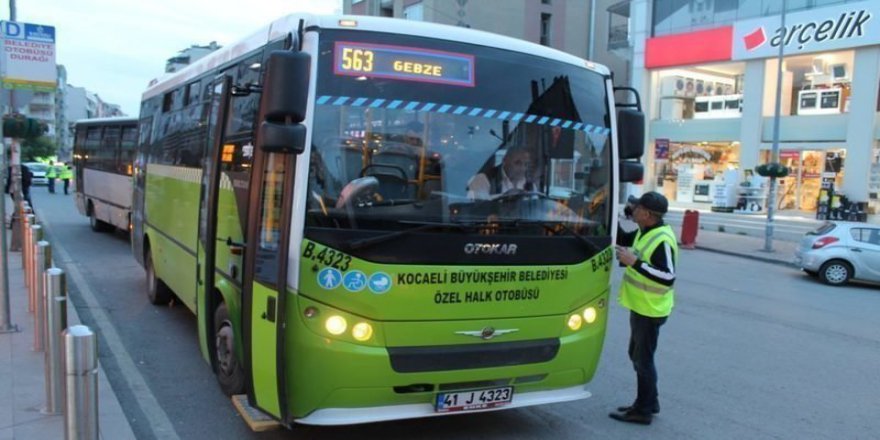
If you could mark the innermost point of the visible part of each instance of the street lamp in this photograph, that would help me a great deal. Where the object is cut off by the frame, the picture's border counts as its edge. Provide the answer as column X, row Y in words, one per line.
column 774, row 154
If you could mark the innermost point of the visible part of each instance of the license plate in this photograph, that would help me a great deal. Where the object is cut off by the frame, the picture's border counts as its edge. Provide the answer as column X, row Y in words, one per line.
column 475, row 399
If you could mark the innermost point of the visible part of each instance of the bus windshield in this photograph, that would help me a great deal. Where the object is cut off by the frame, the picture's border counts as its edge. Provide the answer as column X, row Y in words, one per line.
column 416, row 131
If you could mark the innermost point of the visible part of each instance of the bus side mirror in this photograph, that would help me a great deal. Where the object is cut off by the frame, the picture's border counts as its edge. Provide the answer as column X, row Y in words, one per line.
column 630, row 134
column 631, row 171
column 282, row 138
column 286, row 86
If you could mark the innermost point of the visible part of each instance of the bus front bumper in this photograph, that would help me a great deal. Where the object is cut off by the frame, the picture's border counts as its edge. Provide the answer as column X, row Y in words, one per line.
column 347, row 416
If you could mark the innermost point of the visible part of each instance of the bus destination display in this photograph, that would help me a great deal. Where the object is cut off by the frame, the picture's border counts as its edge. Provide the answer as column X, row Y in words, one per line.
column 403, row 63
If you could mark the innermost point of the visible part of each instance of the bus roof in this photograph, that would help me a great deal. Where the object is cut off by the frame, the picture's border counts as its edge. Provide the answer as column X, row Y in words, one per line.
column 96, row 121
column 279, row 29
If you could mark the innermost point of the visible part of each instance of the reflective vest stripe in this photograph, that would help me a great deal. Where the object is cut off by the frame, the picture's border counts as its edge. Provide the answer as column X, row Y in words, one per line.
column 628, row 278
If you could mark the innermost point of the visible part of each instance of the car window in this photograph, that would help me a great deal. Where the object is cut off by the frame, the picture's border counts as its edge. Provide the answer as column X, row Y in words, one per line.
column 873, row 236
column 36, row 167
column 824, row 229
column 866, row 235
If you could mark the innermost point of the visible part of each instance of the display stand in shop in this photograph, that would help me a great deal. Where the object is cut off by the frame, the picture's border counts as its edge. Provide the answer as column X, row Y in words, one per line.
column 724, row 191
column 751, row 196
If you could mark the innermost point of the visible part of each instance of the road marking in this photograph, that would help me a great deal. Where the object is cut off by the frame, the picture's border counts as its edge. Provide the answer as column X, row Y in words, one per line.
column 158, row 421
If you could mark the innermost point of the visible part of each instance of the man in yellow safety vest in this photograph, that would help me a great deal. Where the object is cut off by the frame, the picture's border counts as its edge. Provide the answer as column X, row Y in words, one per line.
column 646, row 290
column 51, row 174
column 65, row 175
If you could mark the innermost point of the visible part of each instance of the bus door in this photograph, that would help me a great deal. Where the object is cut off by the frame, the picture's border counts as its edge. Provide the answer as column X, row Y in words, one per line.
column 281, row 137
column 266, row 279
column 208, row 245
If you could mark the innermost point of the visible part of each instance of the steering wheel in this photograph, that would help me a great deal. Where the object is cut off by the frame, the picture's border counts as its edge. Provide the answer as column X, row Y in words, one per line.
column 398, row 171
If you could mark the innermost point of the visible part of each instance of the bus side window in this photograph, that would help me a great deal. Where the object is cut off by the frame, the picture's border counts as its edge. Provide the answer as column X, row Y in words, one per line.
column 269, row 228
column 127, row 150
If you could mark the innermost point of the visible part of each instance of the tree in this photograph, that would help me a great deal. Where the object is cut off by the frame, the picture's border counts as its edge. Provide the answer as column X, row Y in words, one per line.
column 35, row 148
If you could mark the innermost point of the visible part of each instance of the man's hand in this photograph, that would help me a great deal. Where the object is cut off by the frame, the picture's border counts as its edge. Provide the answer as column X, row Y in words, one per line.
column 625, row 256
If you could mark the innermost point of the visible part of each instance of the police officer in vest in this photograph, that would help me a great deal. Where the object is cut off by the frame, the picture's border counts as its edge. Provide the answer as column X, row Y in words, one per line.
column 65, row 175
column 51, row 174
column 646, row 290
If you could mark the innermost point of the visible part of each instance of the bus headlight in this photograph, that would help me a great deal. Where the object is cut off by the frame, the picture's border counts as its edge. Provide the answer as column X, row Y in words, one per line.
column 575, row 322
column 335, row 325
column 590, row 315
column 362, row 331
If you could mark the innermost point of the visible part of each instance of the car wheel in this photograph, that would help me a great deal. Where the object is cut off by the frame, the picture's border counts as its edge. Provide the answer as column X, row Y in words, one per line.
column 230, row 375
column 157, row 291
column 835, row 272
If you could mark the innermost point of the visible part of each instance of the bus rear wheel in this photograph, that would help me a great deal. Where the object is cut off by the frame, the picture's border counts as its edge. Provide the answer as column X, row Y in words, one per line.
column 157, row 292
column 97, row 225
column 230, row 375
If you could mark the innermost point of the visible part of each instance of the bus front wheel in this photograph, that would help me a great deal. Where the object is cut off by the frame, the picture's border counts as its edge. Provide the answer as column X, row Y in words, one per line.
column 157, row 291
column 229, row 372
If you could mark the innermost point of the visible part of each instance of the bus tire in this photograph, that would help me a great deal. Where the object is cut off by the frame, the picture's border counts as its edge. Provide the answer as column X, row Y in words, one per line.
column 230, row 375
column 157, row 291
column 97, row 225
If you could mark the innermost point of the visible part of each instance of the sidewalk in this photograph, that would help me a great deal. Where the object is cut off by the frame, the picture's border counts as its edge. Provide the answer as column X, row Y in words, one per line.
column 745, row 246
column 22, row 382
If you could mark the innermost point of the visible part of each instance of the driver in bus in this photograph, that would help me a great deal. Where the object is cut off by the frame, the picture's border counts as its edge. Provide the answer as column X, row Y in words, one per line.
column 514, row 174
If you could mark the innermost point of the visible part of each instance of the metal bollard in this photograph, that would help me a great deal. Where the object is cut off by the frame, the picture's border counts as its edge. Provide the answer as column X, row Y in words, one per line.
column 42, row 254
column 34, row 237
column 81, row 384
column 25, row 249
column 56, row 320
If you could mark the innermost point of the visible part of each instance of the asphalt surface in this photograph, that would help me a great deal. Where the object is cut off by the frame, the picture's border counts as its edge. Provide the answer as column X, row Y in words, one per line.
column 752, row 350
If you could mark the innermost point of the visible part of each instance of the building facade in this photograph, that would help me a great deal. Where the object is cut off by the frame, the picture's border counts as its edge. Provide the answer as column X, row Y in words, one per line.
column 560, row 24
column 188, row 56
column 70, row 104
column 708, row 72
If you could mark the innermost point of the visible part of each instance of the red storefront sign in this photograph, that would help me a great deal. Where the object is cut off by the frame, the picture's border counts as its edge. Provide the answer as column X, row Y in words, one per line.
column 707, row 46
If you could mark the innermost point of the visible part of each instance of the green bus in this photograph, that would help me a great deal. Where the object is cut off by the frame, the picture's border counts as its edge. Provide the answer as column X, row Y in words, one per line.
column 309, row 193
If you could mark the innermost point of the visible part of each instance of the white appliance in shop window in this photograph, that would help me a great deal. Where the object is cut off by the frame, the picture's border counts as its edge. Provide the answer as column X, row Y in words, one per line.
column 722, row 106
column 819, row 101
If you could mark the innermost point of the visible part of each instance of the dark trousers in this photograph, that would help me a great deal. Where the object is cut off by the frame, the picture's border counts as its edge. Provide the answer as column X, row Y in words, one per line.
column 644, row 332
column 66, row 185
column 51, row 184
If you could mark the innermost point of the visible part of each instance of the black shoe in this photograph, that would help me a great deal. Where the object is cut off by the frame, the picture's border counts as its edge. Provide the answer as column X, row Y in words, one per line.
column 632, row 417
column 623, row 409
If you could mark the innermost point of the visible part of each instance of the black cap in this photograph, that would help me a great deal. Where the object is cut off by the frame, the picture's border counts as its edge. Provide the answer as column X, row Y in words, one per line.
column 652, row 201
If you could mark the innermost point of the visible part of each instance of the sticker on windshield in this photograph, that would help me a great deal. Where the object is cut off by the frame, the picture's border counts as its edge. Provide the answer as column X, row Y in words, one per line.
column 380, row 282
column 354, row 281
column 329, row 278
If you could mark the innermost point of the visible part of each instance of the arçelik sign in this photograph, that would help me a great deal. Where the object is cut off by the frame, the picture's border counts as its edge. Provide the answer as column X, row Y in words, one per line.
column 816, row 30
column 28, row 60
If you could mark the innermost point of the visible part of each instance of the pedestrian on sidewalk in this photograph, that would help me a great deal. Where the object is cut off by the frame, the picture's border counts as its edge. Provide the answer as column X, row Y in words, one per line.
column 26, row 177
column 51, row 174
column 646, row 290
column 66, row 175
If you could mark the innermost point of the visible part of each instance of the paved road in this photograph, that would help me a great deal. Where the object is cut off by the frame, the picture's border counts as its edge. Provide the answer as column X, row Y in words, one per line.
column 753, row 351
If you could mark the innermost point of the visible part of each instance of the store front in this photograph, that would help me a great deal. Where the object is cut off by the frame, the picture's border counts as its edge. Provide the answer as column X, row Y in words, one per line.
column 801, row 190
column 687, row 172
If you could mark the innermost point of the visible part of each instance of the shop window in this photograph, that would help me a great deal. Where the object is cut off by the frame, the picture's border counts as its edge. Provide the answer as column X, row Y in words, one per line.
column 705, row 92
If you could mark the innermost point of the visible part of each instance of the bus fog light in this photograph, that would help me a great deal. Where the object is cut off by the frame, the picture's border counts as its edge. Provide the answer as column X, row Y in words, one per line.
column 575, row 322
column 590, row 315
column 335, row 325
column 362, row 331
column 310, row 312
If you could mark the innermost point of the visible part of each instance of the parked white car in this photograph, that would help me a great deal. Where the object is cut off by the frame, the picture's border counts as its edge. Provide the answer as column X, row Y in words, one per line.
column 837, row 252
column 38, row 169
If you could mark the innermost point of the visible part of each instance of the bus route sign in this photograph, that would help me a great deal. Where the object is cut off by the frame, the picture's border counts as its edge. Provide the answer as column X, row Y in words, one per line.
column 403, row 63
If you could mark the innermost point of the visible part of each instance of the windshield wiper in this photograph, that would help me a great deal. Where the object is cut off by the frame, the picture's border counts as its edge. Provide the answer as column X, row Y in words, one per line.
column 422, row 226
column 550, row 226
